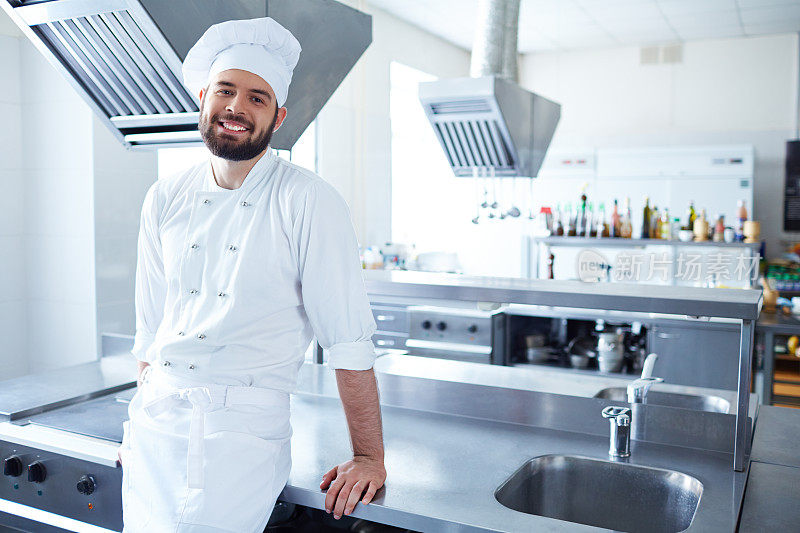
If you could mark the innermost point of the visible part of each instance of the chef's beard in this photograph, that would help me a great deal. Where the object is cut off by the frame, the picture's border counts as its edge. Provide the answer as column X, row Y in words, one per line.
column 230, row 149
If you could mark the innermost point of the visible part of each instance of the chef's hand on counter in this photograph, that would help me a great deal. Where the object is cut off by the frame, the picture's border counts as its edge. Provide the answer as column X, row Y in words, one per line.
column 361, row 477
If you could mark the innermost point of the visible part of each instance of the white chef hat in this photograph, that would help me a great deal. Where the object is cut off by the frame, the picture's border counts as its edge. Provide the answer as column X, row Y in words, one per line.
column 261, row 46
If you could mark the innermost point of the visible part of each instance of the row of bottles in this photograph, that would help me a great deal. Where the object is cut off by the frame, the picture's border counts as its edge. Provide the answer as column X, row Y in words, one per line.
column 586, row 221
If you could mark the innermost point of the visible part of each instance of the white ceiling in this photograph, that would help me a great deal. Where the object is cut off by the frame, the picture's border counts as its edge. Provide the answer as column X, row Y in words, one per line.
column 570, row 24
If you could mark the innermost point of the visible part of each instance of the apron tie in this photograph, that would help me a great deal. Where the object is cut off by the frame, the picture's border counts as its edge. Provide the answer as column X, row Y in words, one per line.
column 201, row 401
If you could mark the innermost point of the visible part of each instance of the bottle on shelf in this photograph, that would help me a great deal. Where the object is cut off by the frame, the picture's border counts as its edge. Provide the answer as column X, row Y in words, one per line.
column 701, row 227
column 625, row 226
column 665, row 232
column 719, row 229
column 655, row 225
column 647, row 216
column 614, row 227
column 691, row 216
column 591, row 223
column 571, row 224
column 557, row 223
column 741, row 218
column 656, row 221
column 676, row 227
column 602, row 225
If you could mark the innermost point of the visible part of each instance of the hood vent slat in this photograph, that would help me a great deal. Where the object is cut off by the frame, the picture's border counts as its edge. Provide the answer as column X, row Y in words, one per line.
column 140, row 68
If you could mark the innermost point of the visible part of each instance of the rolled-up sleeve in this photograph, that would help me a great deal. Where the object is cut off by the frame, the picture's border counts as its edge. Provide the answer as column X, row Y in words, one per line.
column 333, row 292
column 151, row 286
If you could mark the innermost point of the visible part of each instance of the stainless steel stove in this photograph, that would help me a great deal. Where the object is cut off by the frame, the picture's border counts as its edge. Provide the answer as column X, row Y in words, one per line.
column 59, row 434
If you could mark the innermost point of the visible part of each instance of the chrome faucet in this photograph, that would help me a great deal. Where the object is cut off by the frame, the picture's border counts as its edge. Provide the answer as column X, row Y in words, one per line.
column 620, row 438
column 638, row 389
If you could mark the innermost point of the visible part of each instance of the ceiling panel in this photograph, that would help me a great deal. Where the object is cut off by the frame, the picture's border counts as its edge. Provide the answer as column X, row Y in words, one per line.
column 570, row 24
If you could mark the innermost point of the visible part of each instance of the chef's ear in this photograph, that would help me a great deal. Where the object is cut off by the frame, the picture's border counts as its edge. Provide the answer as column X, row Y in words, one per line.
column 202, row 93
column 279, row 119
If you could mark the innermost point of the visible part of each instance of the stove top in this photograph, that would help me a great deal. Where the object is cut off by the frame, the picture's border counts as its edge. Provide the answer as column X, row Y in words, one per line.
column 101, row 418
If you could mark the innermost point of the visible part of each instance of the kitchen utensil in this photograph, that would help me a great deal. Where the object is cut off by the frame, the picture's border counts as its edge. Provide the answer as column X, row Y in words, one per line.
column 610, row 350
column 581, row 350
column 752, row 230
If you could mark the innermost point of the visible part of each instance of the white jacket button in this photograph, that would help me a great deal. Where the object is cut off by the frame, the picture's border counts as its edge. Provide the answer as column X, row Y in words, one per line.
column 180, row 333
column 193, row 291
column 206, row 201
column 191, row 367
column 201, row 336
column 232, row 248
column 167, row 363
column 221, row 294
column 245, row 204
column 195, row 246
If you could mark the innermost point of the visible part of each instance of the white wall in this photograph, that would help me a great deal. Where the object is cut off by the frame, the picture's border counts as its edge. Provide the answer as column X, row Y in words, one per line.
column 725, row 91
column 354, row 132
column 13, row 281
column 69, row 217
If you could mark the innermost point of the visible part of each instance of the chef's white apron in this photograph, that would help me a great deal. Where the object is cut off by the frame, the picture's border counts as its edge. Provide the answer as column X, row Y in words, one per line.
column 201, row 458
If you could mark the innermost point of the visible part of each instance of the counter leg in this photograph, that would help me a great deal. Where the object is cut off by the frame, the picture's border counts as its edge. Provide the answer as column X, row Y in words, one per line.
column 743, row 395
column 769, row 368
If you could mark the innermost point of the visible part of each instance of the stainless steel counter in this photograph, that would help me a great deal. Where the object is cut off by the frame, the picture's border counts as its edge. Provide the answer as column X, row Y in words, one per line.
column 692, row 301
column 572, row 382
column 742, row 305
column 445, row 463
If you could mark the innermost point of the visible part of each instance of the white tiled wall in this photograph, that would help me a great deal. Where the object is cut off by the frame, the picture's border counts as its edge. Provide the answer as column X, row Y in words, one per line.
column 58, row 216
column 121, row 179
column 13, row 321
column 69, row 216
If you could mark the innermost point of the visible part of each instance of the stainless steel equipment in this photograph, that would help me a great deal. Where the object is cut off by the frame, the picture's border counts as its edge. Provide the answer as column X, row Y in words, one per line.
column 638, row 389
column 488, row 122
column 124, row 57
column 58, row 439
column 620, row 436
column 632, row 497
column 450, row 333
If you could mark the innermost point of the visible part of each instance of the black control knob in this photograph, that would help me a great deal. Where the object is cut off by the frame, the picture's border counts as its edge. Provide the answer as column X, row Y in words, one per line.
column 86, row 484
column 426, row 324
column 441, row 326
column 473, row 328
column 13, row 466
column 37, row 472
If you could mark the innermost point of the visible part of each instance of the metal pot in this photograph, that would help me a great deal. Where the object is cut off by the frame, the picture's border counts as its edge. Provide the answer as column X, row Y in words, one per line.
column 610, row 350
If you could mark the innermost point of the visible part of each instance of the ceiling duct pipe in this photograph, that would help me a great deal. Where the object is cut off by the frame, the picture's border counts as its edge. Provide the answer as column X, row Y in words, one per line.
column 494, row 48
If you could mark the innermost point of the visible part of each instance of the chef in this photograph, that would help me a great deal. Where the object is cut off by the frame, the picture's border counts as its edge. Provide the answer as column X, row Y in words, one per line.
column 242, row 259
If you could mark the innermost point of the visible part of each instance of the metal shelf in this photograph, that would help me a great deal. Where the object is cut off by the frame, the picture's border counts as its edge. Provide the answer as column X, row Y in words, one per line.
column 627, row 243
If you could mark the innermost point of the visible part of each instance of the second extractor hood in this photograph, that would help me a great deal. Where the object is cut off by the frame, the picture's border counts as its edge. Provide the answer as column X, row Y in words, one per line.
column 124, row 57
column 487, row 124
column 490, row 125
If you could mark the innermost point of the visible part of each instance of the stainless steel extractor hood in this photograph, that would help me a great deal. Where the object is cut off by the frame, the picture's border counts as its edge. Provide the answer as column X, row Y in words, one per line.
column 487, row 124
column 124, row 57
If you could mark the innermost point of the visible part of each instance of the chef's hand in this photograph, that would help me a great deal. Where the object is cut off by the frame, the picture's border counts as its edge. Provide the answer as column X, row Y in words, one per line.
column 348, row 481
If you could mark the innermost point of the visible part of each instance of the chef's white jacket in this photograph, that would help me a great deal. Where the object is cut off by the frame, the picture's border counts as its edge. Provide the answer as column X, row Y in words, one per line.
column 232, row 284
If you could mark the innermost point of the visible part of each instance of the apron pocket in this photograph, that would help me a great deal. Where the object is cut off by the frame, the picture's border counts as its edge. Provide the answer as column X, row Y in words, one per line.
column 240, row 488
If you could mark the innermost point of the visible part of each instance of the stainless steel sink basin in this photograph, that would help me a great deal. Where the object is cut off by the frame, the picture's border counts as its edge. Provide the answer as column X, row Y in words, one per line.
column 607, row 494
column 714, row 404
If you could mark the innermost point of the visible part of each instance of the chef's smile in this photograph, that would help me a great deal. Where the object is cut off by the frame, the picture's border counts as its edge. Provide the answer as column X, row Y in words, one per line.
column 235, row 128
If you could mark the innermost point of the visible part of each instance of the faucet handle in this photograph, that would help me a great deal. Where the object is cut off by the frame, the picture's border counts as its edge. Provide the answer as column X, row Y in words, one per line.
column 620, row 436
column 638, row 389
column 620, row 415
